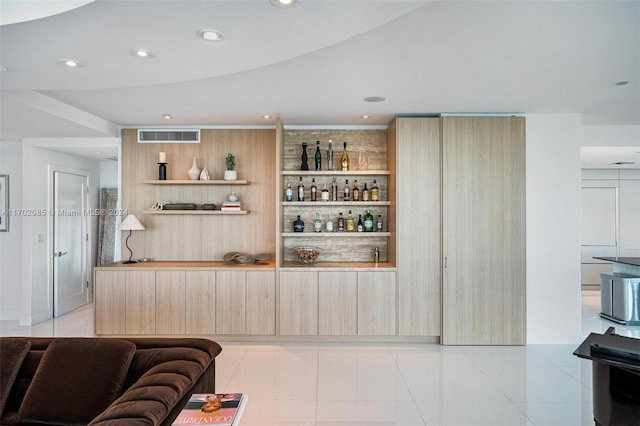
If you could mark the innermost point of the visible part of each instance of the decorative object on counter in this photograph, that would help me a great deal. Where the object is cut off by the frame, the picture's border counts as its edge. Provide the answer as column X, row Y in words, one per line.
column 158, row 205
column 330, row 156
column 194, row 171
column 208, row 207
column 307, row 254
column 376, row 255
column 304, row 165
column 318, row 157
column 162, row 166
column 204, row 174
column 130, row 223
column 179, row 206
column 298, row 225
column 232, row 196
column 245, row 259
column 230, row 173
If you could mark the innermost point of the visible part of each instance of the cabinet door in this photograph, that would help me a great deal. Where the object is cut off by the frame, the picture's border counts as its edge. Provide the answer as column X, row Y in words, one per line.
column 261, row 302
column 483, row 234
column 230, row 302
column 629, row 222
column 200, row 302
column 141, row 302
column 418, row 181
column 298, row 307
column 337, row 303
column 377, row 303
column 170, row 302
column 110, row 302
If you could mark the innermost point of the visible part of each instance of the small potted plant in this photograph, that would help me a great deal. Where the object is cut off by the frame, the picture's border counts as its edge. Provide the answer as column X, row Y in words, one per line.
column 230, row 173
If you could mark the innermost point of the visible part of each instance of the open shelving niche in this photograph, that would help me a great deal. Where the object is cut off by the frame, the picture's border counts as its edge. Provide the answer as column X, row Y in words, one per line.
column 197, row 182
column 337, row 249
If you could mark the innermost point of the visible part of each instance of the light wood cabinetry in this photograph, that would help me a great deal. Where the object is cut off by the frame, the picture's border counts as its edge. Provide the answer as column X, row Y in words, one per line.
column 261, row 303
column 140, row 312
column 170, row 302
column 230, row 302
column 200, row 297
column 338, row 303
column 298, row 304
column 483, row 230
column 110, row 302
column 417, row 142
column 376, row 303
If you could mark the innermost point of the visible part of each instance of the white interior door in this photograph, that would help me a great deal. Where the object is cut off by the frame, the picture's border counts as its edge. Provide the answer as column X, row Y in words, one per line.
column 70, row 280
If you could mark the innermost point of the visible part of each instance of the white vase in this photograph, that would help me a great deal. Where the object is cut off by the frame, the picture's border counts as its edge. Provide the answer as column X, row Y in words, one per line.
column 204, row 174
column 230, row 175
column 194, row 171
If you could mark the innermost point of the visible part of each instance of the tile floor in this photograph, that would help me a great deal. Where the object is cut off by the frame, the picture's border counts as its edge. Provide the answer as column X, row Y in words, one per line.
column 395, row 384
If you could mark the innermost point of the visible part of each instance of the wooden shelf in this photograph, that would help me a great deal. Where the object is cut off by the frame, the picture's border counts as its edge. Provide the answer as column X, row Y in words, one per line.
column 335, row 203
column 197, row 182
column 325, row 234
column 196, row 212
column 335, row 172
column 338, row 266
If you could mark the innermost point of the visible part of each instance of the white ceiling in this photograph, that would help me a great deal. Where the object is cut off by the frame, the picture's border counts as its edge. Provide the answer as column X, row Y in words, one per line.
column 314, row 63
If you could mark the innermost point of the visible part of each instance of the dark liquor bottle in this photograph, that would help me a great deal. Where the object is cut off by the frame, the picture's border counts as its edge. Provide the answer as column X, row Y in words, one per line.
column 288, row 196
column 351, row 224
column 347, row 191
column 360, row 224
column 375, row 192
column 304, row 165
column 340, row 222
column 318, row 157
column 355, row 194
column 325, row 192
column 365, row 193
column 314, row 189
column 300, row 190
column 334, row 190
column 298, row 225
column 379, row 224
column 344, row 160
column 368, row 222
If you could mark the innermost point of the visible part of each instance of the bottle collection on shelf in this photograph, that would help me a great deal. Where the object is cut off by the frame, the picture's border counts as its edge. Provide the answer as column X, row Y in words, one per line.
column 348, row 194
column 344, row 166
column 348, row 224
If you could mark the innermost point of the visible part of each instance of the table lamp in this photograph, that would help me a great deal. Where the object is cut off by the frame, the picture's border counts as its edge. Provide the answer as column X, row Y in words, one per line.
column 130, row 223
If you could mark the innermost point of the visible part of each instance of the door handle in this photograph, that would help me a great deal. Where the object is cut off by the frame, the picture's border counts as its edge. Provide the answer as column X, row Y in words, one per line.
column 60, row 254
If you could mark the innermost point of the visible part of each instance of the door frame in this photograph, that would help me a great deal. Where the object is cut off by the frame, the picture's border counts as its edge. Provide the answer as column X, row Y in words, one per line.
column 52, row 169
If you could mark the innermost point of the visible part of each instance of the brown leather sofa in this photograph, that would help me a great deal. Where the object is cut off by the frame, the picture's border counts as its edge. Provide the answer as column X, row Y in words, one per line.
column 102, row 381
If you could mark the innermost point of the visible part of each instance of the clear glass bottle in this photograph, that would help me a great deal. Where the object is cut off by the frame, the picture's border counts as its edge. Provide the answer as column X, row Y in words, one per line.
column 330, row 156
column 288, row 195
column 318, row 157
column 340, row 222
column 375, row 191
column 329, row 224
column 351, row 223
column 347, row 191
column 317, row 224
column 379, row 223
column 300, row 190
column 325, row 192
column 355, row 193
column 344, row 160
column 334, row 190
column 368, row 222
column 314, row 189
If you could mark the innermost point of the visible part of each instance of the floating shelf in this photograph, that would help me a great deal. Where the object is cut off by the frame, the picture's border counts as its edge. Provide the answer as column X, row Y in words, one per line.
column 325, row 234
column 335, row 203
column 195, row 212
column 335, row 172
column 197, row 182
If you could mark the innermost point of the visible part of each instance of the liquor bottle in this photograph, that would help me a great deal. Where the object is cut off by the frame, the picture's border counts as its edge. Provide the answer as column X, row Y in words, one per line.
column 344, row 160
column 318, row 157
column 365, row 193
column 368, row 222
column 334, row 190
column 330, row 156
column 289, row 193
column 317, row 225
column 304, row 165
column 325, row 192
column 346, row 196
column 355, row 194
column 329, row 224
column 360, row 224
column 314, row 189
column 375, row 192
column 351, row 224
column 298, row 225
column 379, row 224
column 300, row 190
column 340, row 222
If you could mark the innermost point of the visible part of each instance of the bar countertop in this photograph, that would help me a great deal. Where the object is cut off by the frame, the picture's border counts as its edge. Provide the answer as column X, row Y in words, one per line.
column 633, row 261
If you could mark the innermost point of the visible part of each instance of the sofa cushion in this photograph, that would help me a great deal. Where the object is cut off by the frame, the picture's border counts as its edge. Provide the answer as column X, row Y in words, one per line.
column 76, row 380
column 13, row 350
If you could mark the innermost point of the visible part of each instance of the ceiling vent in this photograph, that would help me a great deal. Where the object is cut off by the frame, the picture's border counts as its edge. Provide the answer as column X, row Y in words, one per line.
column 168, row 136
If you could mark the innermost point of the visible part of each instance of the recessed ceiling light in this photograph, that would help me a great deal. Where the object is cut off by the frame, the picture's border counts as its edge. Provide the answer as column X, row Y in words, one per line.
column 141, row 53
column 622, row 83
column 70, row 63
column 3, row 68
column 283, row 3
column 167, row 116
column 266, row 116
column 97, row 152
column 210, row 35
column 375, row 99
column 364, row 116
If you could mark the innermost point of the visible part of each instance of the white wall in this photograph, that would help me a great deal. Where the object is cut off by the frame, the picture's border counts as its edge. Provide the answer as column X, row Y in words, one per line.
column 108, row 174
column 611, row 136
column 11, row 242
column 37, row 294
column 553, row 228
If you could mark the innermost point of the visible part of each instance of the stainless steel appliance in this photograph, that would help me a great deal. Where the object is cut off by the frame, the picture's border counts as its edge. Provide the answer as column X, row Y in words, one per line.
column 620, row 298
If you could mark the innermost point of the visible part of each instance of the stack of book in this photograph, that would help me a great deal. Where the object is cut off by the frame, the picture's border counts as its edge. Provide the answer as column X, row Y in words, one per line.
column 231, row 206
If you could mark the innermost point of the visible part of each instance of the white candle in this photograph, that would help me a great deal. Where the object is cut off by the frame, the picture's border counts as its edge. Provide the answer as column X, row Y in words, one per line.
column 163, row 157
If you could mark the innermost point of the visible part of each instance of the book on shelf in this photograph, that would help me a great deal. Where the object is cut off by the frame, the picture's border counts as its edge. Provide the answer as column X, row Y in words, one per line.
column 212, row 409
column 232, row 203
column 237, row 209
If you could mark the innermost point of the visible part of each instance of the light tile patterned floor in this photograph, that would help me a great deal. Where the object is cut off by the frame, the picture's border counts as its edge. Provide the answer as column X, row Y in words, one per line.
column 396, row 384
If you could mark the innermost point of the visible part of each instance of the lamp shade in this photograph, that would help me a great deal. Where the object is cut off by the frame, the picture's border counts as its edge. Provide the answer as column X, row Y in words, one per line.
column 131, row 223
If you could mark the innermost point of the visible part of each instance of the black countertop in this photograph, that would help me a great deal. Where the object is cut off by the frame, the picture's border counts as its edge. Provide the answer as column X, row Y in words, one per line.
column 634, row 261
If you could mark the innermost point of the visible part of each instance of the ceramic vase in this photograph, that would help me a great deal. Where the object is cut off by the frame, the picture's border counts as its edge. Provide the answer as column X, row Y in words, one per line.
column 230, row 175
column 204, row 174
column 194, row 171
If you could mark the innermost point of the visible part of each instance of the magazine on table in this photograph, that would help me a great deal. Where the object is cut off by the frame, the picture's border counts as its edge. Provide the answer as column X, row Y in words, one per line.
column 212, row 409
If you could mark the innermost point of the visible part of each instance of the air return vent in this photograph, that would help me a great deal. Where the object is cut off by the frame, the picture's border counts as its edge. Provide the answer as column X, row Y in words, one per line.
column 168, row 136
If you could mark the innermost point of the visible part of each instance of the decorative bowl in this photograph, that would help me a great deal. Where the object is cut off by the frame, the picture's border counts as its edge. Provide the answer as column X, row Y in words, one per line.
column 307, row 254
